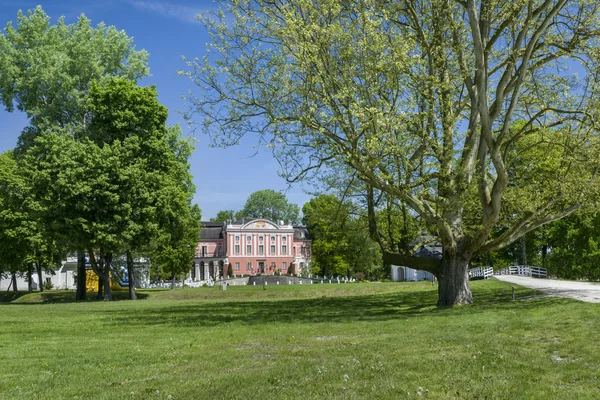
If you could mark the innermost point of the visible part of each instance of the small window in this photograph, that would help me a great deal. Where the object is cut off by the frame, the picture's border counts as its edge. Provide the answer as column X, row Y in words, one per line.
column 284, row 239
column 273, row 265
column 283, row 265
column 303, row 251
column 248, row 249
column 237, row 266
column 273, row 249
column 272, row 239
column 249, row 266
column 49, row 281
column 284, row 249
column 248, row 238
column 237, row 249
column 261, row 249
column 237, row 238
column 260, row 239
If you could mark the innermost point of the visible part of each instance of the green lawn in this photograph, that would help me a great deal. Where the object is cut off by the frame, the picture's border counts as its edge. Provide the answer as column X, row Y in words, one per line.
column 301, row 342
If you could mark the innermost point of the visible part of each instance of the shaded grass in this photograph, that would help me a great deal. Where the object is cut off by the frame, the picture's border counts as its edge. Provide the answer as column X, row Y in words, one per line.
column 346, row 341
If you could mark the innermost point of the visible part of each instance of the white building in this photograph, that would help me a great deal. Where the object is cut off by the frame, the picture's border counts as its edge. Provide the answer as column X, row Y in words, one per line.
column 405, row 274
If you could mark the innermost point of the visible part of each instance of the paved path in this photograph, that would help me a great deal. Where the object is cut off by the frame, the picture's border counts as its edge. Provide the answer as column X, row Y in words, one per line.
column 584, row 291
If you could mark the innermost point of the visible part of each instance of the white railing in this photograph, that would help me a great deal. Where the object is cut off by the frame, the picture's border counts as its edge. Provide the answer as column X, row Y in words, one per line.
column 524, row 270
column 481, row 273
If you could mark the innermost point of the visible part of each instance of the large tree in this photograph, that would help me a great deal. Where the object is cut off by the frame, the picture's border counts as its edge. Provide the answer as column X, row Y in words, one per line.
column 46, row 71
column 424, row 100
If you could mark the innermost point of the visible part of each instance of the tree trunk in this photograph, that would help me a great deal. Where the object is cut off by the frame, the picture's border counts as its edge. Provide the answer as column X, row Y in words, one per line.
column 14, row 283
column 523, row 252
column 490, row 259
column 39, row 274
column 453, row 281
column 30, row 278
column 106, row 276
column 173, row 281
column 81, row 277
column 544, row 252
column 106, row 284
column 100, row 287
column 132, row 294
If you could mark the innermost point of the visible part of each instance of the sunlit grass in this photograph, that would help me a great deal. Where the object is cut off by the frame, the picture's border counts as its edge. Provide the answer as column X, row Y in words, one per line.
column 303, row 342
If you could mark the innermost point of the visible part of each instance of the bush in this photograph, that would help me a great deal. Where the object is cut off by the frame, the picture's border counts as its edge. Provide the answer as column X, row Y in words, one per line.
column 229, row 271
column 360, row 276
column 48, row 285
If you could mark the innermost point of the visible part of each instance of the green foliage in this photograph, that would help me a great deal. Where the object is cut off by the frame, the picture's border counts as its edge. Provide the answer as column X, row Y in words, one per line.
column 271, row 205
column 48, row 69
column 224, row 216
column 574, row 246
column 229, row 270
column 340, row 243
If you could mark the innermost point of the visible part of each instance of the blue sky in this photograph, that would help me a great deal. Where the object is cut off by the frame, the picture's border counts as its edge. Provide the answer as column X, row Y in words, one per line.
column 168, row 30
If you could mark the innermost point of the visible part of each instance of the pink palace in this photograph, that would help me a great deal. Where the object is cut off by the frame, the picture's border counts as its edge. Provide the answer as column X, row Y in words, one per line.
column 252, row 246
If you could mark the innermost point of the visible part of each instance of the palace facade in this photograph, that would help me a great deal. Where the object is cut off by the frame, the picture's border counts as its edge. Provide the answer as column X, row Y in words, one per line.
column 252, row 246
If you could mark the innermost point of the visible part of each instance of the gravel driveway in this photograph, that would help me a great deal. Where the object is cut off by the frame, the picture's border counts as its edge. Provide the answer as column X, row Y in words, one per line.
column 584, row 291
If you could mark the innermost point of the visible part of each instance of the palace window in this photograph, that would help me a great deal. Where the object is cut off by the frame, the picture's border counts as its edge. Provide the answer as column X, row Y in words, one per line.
column 237, row 238
column 273, row 249
column 249, row 266
column 248, row 238
column 284, row 239
column 248, row 249
column 260, row 239
column 272, row 239
column 284, row 249
column 273, row 265
column 204, row 251
column 261, row 249
column 237, row 266
column 237, row 249
column 303, row 251
column 283, row 265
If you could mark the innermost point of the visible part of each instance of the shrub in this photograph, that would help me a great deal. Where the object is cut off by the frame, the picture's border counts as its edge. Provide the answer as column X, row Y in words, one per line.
column 48, row 285
column 360, row 276
column 229, row 271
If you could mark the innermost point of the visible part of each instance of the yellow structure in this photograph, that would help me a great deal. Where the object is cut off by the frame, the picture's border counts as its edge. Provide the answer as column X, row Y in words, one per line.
column 91, row 282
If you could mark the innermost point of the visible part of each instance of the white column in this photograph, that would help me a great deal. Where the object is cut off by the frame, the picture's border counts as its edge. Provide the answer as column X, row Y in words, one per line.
column 242, row 244
column 277, row 245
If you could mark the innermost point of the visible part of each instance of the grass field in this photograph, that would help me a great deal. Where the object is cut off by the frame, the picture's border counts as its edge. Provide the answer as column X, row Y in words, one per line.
column 300, row 342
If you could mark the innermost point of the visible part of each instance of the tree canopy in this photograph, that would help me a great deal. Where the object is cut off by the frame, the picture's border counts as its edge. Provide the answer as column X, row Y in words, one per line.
column 433, row 103
column 265, row 203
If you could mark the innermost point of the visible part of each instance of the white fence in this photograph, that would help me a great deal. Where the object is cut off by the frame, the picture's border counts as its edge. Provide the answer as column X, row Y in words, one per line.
column 524, row 270
column 481, row 273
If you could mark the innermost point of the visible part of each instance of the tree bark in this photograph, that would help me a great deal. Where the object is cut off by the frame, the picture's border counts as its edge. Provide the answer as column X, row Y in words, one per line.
column 130, row 273
column 81, row 277
column 453, row 281
column 523, row 252
column 100, row 287
column 173, row 281
column 106, row 276
column 39, row 274
column 30, row 278
column 14, row 283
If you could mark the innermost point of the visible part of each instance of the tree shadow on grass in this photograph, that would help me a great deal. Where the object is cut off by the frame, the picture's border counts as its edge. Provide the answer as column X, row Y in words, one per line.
column 379, row 307
column 60, row 296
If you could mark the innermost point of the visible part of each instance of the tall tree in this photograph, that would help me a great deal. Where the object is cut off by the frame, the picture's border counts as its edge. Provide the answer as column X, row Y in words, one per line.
column 271, row 205
column 46, row 71
column 424, row 100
